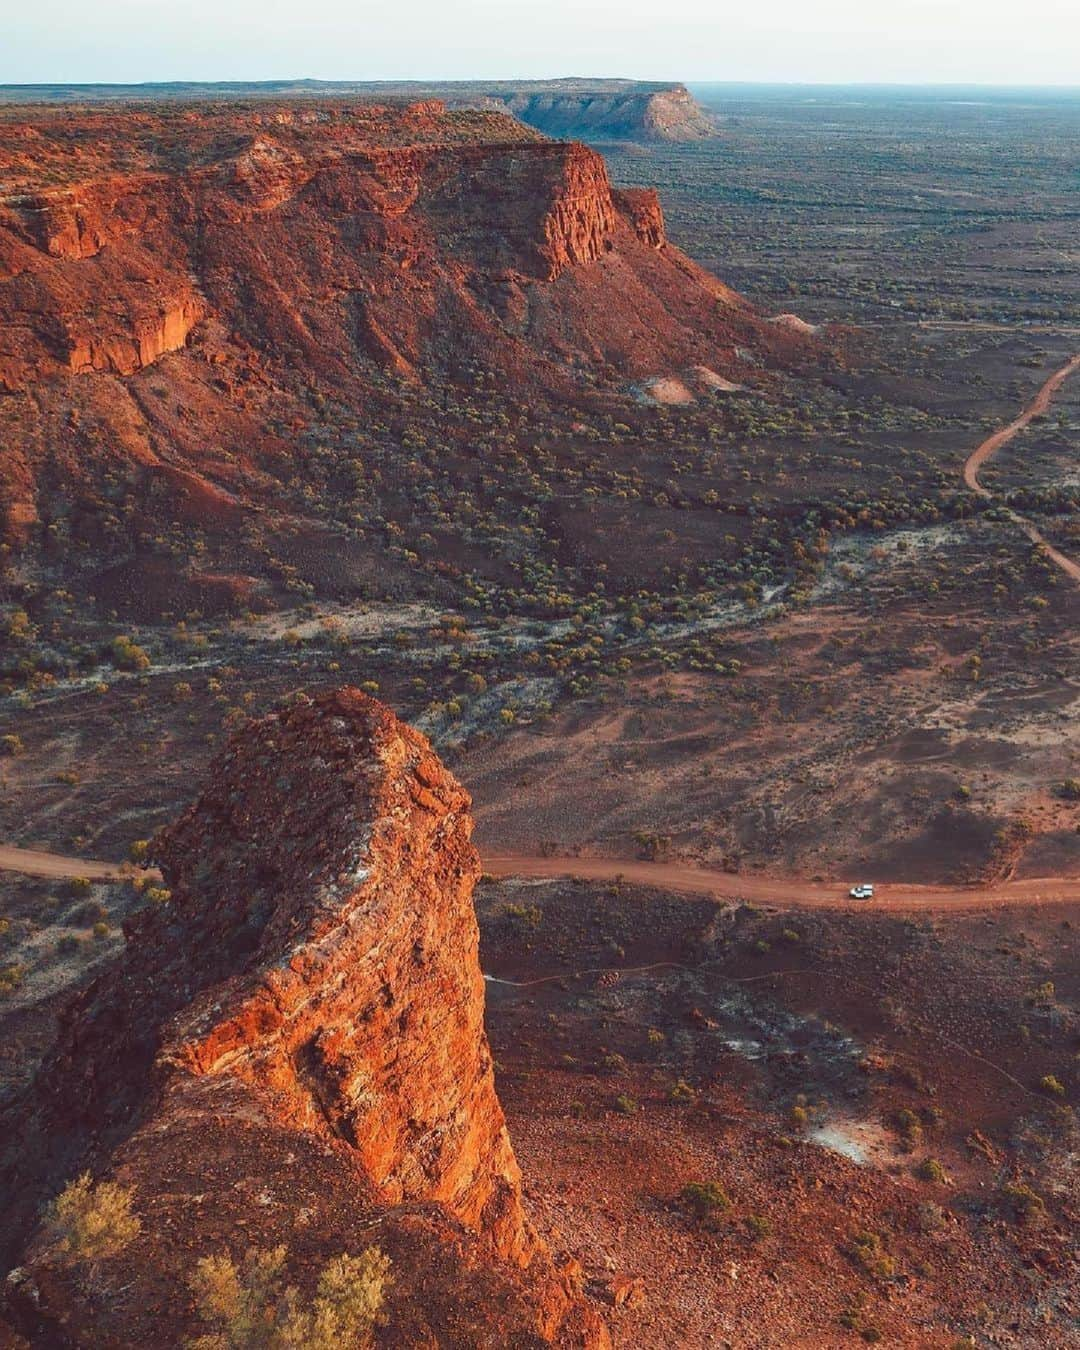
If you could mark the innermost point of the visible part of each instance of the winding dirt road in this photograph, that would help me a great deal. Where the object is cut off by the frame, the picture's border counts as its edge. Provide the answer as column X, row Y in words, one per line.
column 1039, row 405
column 788, row 893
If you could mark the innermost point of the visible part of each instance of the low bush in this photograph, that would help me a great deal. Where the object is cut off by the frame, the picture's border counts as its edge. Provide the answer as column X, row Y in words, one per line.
column 251, row 1308
column 94, row 1220
column 705, row 1199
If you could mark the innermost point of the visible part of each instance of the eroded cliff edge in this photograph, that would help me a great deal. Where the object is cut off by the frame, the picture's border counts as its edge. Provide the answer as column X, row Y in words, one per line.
column 291, row 1050
column 186, row 293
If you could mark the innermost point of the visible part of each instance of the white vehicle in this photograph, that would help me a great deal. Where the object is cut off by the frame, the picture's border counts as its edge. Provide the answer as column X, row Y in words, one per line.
column 862, row 892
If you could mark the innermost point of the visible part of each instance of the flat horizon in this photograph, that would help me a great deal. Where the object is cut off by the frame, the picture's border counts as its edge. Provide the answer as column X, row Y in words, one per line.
column 690, row 83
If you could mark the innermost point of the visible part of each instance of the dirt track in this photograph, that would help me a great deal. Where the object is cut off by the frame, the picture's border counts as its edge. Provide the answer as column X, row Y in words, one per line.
column 796, row 894
column 34, row 863
column 675, row 876
column 1039, row 405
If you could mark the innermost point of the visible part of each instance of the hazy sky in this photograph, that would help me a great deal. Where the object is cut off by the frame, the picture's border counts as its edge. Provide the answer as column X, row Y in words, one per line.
column 987, row 41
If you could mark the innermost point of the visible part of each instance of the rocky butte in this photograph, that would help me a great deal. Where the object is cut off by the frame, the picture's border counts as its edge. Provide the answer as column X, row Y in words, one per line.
column 291, row 1050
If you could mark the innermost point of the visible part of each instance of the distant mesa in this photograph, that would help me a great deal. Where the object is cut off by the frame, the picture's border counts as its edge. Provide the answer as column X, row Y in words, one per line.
column 579, row 109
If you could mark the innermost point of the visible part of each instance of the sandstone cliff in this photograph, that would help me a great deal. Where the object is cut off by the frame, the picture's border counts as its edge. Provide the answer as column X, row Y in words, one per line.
column 179, row 288
column 292, row 1050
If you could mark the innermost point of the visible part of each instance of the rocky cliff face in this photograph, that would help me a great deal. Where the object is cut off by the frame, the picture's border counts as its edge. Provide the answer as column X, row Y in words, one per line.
column 310, row 991
column 179, row 288
column 642, row 208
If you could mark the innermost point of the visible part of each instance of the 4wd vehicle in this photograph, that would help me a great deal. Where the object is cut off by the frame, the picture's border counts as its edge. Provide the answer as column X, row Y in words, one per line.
column 862, row 892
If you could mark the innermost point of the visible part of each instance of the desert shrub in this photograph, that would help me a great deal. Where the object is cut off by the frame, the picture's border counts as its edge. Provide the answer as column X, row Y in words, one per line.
column 526, row 918
column 128, row 655
column 931, row 1170
column 909, row 1127
column 94, row 1220
column 682, row 1092
column 704, row 1199
column 87, row 914
column 250, row 1307
column 931, row 1218
column 1070, row 790
column 758, row 1226
column 1025, row 1205
column 625, row 1105
column 653, row 846
column 11, row 745
column 11, row 976
column 1052, row 1086
column 868, row 1250
column 18, row 626
column 139, row 850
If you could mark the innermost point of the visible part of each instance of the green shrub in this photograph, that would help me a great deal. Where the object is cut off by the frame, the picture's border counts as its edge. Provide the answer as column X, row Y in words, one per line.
column 909, row 1127
column 868, row 1249
column 1027, row 1207
column 704, row 1199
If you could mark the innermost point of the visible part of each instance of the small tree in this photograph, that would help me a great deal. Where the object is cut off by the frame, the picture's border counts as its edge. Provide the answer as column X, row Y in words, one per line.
column 92, row 1220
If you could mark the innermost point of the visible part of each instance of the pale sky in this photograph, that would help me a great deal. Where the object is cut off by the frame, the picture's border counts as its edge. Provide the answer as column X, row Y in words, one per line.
column 905, row 41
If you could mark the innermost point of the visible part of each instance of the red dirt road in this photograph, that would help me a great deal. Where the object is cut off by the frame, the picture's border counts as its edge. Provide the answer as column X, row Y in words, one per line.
column 1039, row 405
column 35, row 863
column 788, row 893
column 791, row 893
column 686, row 877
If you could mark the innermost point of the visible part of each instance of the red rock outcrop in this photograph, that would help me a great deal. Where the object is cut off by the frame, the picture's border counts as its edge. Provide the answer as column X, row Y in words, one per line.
column 189, row 281
column 642, row 208
column 311, row 991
